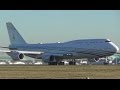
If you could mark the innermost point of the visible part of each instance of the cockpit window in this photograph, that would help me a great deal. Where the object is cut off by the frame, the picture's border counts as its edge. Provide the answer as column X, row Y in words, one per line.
column 107, row 41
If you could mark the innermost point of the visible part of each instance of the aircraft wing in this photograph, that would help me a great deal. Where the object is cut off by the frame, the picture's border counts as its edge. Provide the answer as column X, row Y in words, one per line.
column 30, row 52
column 5, row 51
column 24, row 52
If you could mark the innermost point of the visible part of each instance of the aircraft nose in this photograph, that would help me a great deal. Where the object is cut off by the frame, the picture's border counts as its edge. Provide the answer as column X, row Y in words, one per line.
column 116, row 48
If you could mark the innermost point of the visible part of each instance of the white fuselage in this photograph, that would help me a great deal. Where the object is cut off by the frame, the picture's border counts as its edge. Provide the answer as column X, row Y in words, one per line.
column 88, row 48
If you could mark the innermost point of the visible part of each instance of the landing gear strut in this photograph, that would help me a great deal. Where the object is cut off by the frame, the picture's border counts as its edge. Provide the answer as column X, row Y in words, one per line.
column 55, row 61
column 73, row 62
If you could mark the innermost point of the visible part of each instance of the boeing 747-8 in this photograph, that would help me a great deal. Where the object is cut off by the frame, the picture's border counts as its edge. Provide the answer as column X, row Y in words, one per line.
column 55, row 52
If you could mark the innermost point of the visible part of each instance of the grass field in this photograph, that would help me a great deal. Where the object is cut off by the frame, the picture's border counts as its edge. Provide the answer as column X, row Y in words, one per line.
column 60, row 72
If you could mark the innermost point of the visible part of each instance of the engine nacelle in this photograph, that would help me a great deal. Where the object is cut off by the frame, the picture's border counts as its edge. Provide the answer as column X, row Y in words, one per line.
column 46, row 57
column 16, row 55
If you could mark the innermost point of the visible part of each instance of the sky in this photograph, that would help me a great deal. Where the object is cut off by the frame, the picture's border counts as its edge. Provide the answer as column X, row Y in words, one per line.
column 47, row 26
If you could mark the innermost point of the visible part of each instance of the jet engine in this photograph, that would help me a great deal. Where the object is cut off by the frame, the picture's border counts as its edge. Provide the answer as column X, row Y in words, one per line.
column 46, row 57
column 16, row 55
column 50, row 57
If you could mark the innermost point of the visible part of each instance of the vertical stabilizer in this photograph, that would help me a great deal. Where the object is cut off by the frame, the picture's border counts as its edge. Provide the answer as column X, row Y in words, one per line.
column 14, row 36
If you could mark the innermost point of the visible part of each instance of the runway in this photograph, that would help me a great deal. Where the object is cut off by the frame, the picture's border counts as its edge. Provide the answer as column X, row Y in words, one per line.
column 59, row 72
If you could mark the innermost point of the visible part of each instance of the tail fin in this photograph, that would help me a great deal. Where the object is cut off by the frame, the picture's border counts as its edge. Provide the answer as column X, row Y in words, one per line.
column 15, row 37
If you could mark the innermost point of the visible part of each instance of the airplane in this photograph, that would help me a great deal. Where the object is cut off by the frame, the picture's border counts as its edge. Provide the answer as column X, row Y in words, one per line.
column 56, row 52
